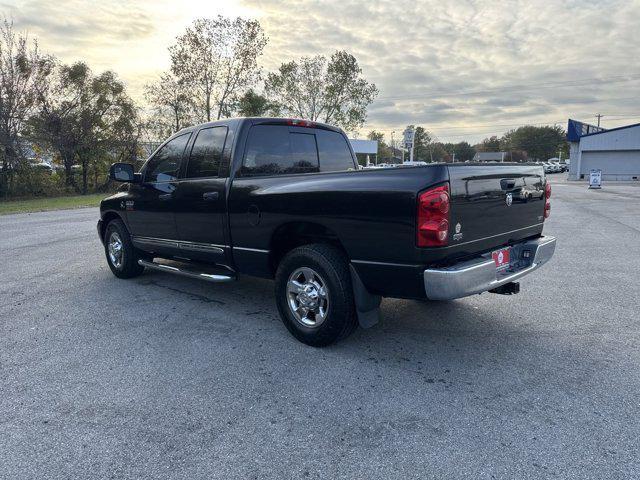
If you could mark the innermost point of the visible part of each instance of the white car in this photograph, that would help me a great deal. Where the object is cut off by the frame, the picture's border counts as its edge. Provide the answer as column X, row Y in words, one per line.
column 412, row 164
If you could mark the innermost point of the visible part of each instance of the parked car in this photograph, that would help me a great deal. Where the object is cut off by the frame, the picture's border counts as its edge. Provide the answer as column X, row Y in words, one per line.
column 282, row 199
column 526, row 189
column 412, row 164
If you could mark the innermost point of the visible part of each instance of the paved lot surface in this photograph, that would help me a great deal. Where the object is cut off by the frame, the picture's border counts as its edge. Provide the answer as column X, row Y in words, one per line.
column 166, row 377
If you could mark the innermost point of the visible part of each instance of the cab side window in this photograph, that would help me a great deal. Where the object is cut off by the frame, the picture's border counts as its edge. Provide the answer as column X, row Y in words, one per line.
column 164, row 166
column 206, row 154
column 278, row 150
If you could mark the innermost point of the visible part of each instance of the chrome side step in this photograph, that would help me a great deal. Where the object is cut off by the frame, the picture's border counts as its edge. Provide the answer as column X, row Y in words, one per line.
column 188, row 270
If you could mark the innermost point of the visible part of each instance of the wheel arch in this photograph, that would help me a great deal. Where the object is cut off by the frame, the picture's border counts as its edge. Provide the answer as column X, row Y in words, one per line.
column 295, row 234
column 107, row 218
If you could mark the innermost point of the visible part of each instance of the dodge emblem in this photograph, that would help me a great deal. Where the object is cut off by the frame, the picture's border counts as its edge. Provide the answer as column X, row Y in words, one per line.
column 509, row 199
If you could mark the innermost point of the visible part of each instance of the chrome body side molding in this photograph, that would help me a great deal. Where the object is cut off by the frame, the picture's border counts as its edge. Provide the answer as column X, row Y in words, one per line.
column 178, row 244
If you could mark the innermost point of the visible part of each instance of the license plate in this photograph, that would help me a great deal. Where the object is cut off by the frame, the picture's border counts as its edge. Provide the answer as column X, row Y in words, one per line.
column 501, row 258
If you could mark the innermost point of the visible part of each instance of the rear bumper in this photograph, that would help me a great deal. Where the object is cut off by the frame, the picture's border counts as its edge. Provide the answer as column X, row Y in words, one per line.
column 480, row 275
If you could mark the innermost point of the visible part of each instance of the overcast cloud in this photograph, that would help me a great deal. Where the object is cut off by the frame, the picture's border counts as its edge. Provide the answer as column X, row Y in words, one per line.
column 463, row 69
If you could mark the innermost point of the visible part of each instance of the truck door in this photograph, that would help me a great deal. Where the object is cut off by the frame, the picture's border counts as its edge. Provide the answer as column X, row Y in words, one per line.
column 151, row 210
column 200, row 197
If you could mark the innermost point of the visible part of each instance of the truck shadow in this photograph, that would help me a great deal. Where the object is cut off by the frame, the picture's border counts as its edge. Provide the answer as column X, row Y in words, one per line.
column 478, row 348
column 411, row 332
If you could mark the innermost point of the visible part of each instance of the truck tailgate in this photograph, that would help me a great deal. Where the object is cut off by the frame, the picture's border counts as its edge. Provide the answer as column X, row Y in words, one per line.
column 494, row 200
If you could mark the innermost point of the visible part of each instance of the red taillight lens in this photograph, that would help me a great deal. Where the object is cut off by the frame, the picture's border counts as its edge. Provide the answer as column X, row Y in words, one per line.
column 433, row 217
column 547, row 202
column 294, row 122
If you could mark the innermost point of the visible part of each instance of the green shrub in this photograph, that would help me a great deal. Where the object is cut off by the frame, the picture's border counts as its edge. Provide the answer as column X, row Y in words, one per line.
column 37, row 181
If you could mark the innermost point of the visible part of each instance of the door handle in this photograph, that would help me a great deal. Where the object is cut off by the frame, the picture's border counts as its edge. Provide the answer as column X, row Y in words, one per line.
column 210, row 196
column 165, row 196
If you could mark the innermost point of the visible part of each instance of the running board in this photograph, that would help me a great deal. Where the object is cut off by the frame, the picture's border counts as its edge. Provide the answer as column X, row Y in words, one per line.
column 188, row 270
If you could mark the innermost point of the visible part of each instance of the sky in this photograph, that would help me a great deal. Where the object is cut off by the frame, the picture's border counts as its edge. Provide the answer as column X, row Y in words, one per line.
column 463, row 69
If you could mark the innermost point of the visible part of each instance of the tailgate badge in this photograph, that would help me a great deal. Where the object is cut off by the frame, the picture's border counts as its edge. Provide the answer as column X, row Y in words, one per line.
column 458, row 235
column 509, row 199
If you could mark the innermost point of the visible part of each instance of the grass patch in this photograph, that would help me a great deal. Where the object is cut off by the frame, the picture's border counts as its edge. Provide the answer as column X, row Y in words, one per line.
column 55, row 203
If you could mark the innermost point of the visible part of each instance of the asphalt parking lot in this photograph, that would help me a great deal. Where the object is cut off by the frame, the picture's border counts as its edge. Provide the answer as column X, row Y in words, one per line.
column 167, row 377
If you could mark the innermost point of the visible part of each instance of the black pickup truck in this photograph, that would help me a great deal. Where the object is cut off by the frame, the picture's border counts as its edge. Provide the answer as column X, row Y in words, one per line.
column 285, row 199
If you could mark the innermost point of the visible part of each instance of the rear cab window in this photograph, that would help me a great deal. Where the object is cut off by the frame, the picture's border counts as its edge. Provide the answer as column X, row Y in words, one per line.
column 335, row 154
column 282, row 150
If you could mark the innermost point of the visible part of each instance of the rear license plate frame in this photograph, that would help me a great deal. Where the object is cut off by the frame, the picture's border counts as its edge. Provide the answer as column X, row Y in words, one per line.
column 502, row 258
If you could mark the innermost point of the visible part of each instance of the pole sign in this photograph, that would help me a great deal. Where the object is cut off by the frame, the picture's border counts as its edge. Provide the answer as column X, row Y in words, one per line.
column 595, row 179
column 409, row 136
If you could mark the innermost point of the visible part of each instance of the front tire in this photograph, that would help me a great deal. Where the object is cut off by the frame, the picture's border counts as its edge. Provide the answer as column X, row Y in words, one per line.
column 314, row 294
column 122, row 256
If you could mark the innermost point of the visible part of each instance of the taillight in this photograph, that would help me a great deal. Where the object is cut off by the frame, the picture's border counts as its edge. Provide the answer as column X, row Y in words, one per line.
column 433, row 217
column 547, row 201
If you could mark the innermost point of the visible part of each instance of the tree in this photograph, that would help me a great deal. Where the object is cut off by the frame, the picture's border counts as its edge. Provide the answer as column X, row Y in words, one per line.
column 438, row 152
column 384, row 150
column 23, row 72
column 462, row 151
column 491, row 144
column 172, row 99
column 252, row 104
column 330, row 91
column 218, row 58
column 85, row 118
column 540, row 143
column 422, row 143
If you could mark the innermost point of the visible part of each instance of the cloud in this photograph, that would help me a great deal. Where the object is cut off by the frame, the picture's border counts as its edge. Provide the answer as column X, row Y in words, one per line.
column 449, row 65
column 455, row 67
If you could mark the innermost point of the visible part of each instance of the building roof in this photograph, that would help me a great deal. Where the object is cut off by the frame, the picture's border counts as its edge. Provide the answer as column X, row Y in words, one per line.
column 612, row 130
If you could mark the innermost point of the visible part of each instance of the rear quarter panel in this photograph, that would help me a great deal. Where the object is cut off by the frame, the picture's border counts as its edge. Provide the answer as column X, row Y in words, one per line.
column 372, row 212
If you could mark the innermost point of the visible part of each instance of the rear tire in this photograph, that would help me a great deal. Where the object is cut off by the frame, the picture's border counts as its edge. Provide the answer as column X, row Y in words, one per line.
column 122, row 256
column 314, row 295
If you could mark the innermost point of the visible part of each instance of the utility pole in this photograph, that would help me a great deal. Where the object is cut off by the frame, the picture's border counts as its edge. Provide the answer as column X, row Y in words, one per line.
column 393, row 146
column 599, row 116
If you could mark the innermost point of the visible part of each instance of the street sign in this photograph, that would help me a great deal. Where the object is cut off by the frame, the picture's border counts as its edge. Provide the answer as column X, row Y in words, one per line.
column 595, row 179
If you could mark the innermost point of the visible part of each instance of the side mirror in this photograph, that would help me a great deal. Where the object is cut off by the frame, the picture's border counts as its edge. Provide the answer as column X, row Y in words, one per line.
column 123, row 172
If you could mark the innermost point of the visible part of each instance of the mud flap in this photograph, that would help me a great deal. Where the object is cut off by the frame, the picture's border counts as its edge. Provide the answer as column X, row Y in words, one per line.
column 367, row 304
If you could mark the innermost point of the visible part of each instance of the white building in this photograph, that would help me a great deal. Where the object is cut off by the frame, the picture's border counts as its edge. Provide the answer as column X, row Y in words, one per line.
column 366, row 148
column 616, row 151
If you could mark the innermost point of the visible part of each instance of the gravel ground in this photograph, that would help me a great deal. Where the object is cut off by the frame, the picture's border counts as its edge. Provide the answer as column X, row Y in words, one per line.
column 167, row 377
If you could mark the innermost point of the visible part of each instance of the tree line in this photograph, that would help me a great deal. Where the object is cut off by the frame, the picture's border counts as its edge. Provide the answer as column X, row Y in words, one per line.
column 83, row 120
column 526, row 143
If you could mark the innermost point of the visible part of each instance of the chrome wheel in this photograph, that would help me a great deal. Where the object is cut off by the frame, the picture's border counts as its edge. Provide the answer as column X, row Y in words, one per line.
column 114, row 248
column 307, row 297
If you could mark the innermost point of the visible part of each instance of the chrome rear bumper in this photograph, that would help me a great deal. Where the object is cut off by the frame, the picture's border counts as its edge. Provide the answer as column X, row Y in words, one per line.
column 479, row 274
